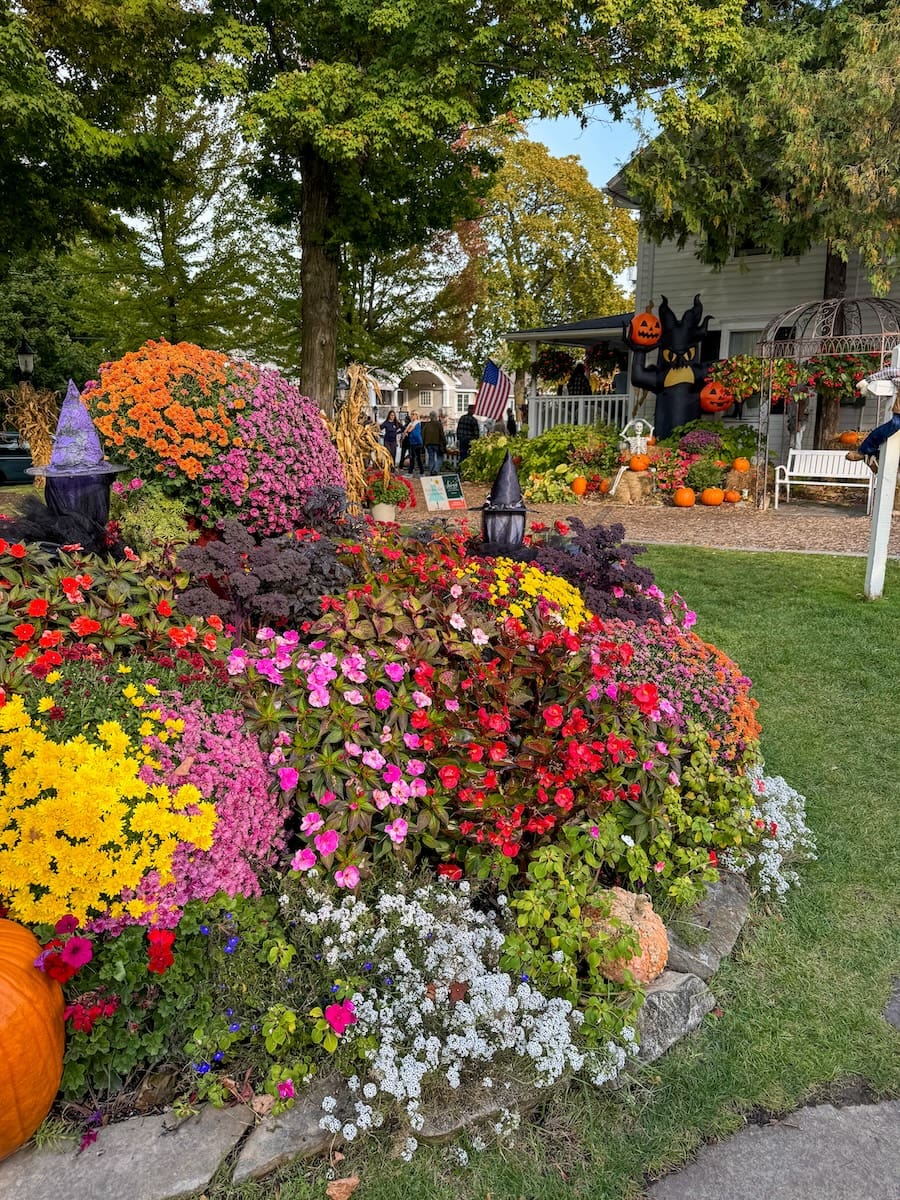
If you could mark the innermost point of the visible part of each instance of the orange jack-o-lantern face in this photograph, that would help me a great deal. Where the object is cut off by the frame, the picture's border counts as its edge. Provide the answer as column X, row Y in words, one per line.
column 645, row 329
column 714, row 398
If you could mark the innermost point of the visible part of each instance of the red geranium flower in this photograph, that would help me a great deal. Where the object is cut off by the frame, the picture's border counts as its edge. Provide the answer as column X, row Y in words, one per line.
column 83, row 626
column 449, row 776
column 553, row 716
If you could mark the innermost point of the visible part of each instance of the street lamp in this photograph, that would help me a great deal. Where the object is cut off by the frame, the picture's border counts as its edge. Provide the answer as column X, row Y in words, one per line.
column 25, row 359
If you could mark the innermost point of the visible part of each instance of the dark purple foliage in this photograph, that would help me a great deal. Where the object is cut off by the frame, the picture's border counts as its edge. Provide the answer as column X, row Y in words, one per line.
column 602, row 567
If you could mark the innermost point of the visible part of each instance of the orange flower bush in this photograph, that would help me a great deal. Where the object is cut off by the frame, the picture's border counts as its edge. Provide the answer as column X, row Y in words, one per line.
column 224, row 437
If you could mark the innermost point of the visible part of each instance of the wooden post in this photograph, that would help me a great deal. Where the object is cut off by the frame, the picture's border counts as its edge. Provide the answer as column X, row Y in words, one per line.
column 883, row 509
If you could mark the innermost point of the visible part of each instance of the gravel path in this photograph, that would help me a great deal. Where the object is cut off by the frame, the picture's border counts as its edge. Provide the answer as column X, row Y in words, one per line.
column 804, row 527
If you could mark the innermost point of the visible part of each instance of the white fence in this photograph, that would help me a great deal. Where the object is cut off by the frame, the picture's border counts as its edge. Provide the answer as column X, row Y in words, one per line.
column 546, row 412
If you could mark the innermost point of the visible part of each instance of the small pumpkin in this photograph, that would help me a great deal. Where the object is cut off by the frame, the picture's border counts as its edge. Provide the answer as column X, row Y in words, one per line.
column 32, row 1037
column 636, row 913
column 684, row 497
column 579, row 485
column 645, row 329
column 605, row 485
column 731, row 496
column 712, row 496
column 850, row 437
column 714, row 398
column 638, row 462
column 741, row 464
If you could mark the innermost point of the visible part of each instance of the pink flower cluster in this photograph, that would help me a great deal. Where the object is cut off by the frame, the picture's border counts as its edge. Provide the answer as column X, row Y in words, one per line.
column 284, row 454
column 223, row 760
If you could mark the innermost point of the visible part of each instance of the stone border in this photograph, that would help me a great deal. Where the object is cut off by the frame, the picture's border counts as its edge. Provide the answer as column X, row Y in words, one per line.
column 162, row 1158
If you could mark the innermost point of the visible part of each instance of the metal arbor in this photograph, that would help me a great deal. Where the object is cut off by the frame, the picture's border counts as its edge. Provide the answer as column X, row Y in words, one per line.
column 864, row 325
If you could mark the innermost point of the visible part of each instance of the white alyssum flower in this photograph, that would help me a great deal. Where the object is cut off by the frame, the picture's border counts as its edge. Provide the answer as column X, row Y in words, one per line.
column 786, row 839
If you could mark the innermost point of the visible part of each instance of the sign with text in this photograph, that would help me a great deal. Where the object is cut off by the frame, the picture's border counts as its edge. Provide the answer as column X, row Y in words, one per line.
column 443, row 491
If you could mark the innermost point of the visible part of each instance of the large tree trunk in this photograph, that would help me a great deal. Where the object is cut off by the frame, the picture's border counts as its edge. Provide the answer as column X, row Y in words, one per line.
column 829, row 412
column 320, row 298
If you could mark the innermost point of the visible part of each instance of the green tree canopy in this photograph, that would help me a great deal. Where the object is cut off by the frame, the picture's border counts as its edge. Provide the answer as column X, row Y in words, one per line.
column 551, row 247
column 796, row 145
column 356, row 107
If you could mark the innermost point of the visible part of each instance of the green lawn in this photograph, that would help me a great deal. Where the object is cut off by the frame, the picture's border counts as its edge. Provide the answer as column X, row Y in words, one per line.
column 801, row 1000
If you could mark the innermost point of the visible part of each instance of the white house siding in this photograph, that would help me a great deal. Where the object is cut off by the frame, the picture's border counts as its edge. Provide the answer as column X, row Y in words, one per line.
column 744, row 295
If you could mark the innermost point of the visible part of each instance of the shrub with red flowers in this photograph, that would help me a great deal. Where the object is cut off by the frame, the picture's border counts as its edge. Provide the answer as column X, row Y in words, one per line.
column 840, row 372
column 76, row 606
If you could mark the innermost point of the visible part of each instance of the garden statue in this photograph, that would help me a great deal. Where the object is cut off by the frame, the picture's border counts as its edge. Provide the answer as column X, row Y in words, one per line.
column 78, row 484
column 503, row 515
column 678, row 375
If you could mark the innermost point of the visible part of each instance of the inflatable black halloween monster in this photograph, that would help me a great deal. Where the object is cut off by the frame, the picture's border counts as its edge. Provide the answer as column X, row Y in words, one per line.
column 677, row 376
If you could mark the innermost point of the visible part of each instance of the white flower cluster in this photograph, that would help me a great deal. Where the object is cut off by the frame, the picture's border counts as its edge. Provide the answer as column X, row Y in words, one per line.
column 437, row 1008
column 780, row 812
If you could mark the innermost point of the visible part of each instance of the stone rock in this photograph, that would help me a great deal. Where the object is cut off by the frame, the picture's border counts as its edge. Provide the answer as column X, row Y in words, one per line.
column 892, row 1008
column 447, row 1123
column 295, row 1133
column 674, row 1006
column 716, row 922
column 817, row 1153
column 145, row 1158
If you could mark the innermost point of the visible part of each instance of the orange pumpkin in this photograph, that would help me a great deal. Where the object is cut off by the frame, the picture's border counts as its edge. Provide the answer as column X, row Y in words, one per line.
column 635, row 912
column 731, row 496
column 605, row 485
column 712, row 496
column 651, row 440
column 579, row 485
column 684, row 497
column 850, row 437
column 714, row 398
column 638, row 462
column 741, row 464
column 32, row 1037
column 645, row 329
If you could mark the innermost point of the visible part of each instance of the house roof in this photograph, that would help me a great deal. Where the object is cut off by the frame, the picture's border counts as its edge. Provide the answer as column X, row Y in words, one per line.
column 576, row 333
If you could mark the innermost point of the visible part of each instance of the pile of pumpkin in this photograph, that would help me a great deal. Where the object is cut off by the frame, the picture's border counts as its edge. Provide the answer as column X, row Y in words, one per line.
column 737, row 481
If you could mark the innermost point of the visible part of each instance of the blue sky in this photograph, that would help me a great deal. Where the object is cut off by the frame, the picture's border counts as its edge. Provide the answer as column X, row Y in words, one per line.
column 602, row 147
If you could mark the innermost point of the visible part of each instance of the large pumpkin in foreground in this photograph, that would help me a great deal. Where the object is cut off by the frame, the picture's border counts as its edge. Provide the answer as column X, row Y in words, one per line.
column 32, row 1037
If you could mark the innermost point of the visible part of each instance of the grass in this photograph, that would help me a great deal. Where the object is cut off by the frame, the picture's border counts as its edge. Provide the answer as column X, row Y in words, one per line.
column 800, row 1002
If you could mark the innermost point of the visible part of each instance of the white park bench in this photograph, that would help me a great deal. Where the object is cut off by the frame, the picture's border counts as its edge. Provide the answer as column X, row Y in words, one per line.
column 824, row 468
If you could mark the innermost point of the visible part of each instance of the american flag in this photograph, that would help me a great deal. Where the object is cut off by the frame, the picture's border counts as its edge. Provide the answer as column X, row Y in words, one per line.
column 493, row 393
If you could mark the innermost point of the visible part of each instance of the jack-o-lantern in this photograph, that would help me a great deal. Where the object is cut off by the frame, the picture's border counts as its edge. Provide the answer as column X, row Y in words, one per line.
column 645, row 329
column 714, row 398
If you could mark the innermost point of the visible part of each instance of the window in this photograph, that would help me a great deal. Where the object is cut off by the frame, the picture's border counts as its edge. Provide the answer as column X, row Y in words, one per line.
column 425, row 400
column 743, row 341
column 463, row 400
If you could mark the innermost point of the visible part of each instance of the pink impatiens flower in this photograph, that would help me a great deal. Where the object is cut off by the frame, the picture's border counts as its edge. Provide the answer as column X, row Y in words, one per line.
column 286, row 1089
column 303, row 860
column 327, row 842
column 287, row 778
column 348, row 877
column 311, row 823
column 396, row 831
column 339, row 1016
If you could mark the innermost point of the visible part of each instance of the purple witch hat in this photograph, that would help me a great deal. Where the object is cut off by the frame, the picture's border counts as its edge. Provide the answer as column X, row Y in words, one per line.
column 76, row 446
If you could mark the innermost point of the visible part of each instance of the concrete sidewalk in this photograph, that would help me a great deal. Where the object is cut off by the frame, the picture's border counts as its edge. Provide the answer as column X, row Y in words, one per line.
column 816, row 1153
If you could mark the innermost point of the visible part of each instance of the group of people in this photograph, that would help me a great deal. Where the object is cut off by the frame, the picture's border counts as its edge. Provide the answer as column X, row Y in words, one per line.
column 421, row 446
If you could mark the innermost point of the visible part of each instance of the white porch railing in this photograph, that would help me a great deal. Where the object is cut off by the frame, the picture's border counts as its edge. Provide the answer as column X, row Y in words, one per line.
column 545, row 412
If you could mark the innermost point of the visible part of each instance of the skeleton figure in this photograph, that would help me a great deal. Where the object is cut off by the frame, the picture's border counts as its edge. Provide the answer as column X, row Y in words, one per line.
column 677, row 376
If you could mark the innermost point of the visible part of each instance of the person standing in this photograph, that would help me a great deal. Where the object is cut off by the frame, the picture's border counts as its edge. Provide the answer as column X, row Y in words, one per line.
column 416, row 445
column 467, row 432
column 511, row 427
column 404, row 438
column 390, row 431
column 435, row 444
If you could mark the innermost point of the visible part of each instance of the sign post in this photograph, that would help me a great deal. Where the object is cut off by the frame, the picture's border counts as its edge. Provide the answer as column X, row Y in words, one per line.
column 888, row 461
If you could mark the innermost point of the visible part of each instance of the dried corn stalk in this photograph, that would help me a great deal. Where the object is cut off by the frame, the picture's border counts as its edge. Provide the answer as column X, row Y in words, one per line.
column 356, row 440
column 35, row 414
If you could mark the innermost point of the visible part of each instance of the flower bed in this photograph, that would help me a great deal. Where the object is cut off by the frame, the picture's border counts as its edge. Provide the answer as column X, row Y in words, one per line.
column 360, row 835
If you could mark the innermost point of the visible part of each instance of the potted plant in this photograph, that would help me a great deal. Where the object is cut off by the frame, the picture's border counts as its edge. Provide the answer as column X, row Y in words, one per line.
column 386, row 493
